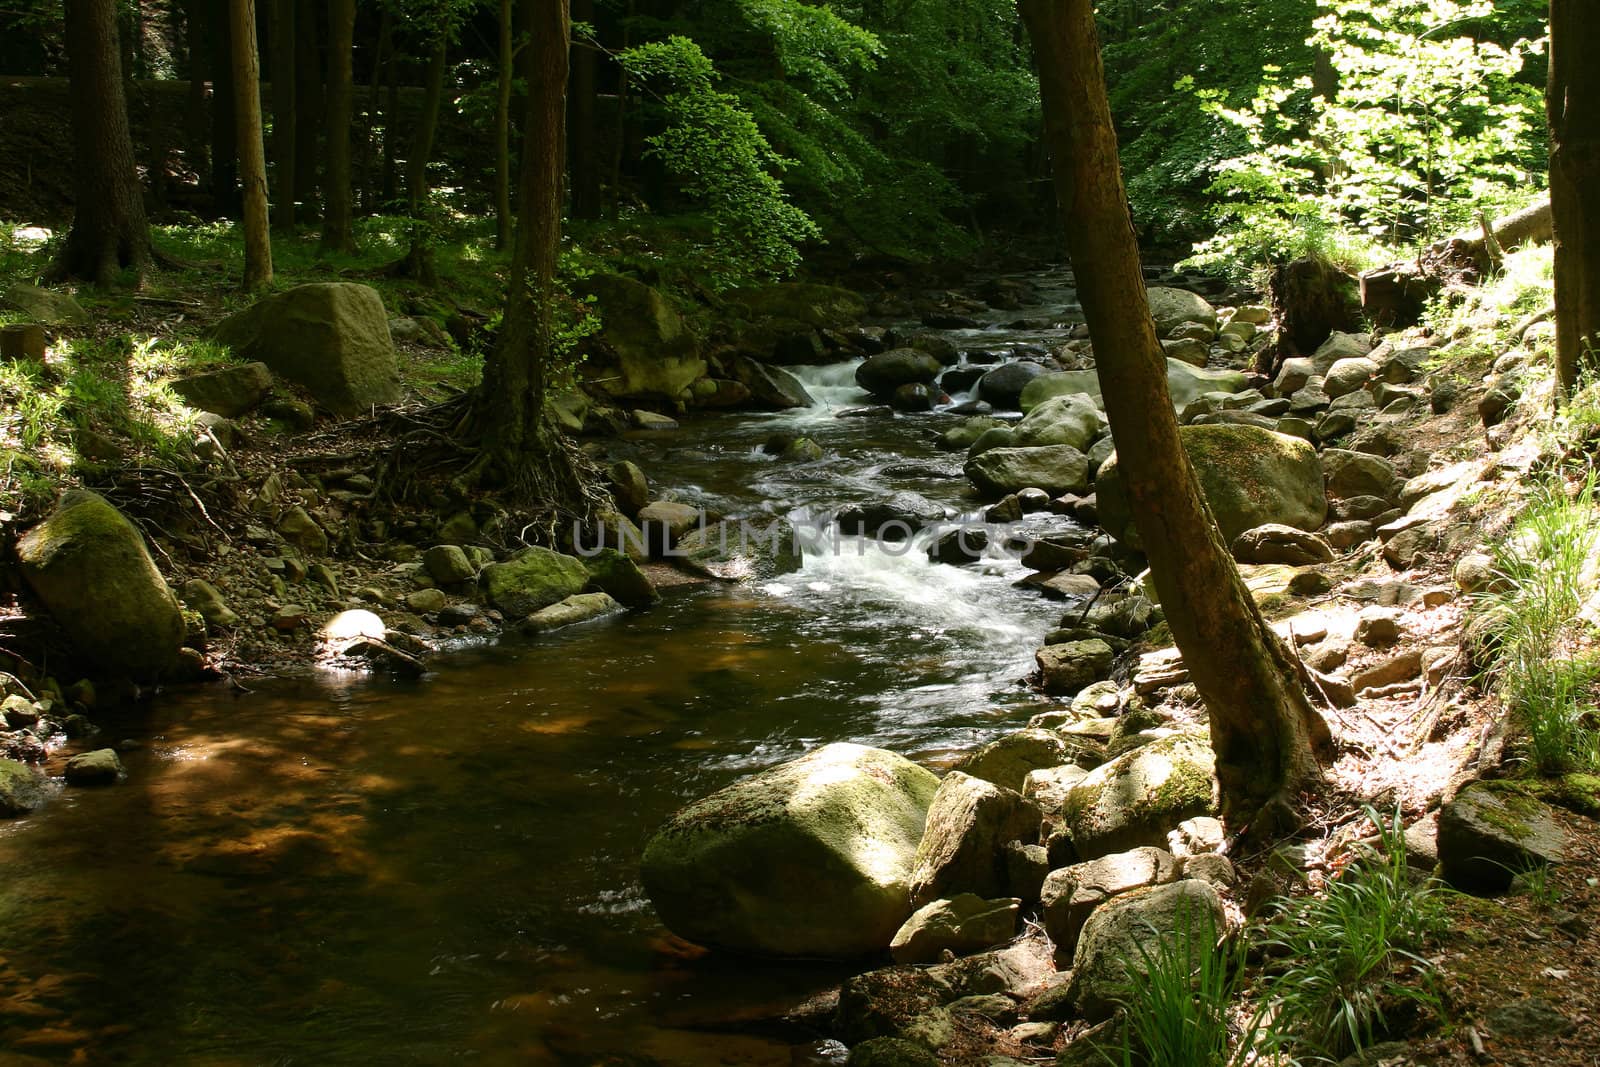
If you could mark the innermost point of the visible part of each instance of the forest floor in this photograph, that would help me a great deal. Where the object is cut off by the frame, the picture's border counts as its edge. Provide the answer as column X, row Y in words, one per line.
column 102, row 416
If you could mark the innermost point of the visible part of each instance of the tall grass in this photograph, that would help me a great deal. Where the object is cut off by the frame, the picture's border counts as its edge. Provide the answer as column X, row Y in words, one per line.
column 1539, row 659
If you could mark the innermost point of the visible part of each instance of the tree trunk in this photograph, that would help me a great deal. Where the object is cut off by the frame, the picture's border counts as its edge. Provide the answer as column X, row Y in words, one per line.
column 520, row 442
column 195, row 121
column 503, row 222
column 583, row 153
column 109, row 231
column 1574, row 105
column 252, row 150
column 418, row 263
column 309, row 104
column 391, row 115
column 284, row 106
column 369, row 139
column 224, row 129
column 1262, row 725
column 337, row 235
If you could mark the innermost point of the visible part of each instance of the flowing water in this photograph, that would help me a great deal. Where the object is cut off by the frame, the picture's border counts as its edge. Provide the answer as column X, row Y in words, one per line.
column 337, row 868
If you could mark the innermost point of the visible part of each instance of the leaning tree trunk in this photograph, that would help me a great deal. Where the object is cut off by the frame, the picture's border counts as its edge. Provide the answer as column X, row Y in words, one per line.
column 1574, row 105
column 284, row 134
column 337, row 235
column 1262, row 725
column 252, row 150
column 109, row 230
column 520, row 445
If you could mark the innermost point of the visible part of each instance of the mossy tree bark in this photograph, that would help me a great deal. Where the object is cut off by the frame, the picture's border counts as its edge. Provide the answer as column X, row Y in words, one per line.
column 252, row 147
column 337, row 234
column 1263, row 728
column 521, row 448
column 1574, row 106
column 109, row 230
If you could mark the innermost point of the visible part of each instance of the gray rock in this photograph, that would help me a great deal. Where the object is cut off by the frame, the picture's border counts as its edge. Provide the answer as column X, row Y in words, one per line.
column 532, row 579
column 200, row 595
column 1008, row 759
column 426, row 601
column 299, row 529
column 1343, row 535
column 1068, row 667
column 22, row 789
column 89, row 567
column 1108, row 949
column 964, row 924
column 1062, row 420
column 448, row 565
column 735, row 551
column 629, row 486
column 1003, row 386
column 1054, row 468
column 1529, row 1018
column 1071, row 894
column 1293, row 376
column 1187, row 350
column 1348, row 376
column 885, row 372
column 1277, row 543
column 1138, row 797
column 614, row 573
column 1171, row 308
column 100, row 767
column 330, row 337
column 580, row 607
column 1487, row 836
column 665, row 522
column 1358, row 474
column 1339, row 346
column 229, row 392
column 810, row 858
column 962, row 849
column 893, row 518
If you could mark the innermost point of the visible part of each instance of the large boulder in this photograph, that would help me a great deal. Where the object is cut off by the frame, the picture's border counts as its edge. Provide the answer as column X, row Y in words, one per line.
column 1062, row 420
column 44, row 306
column 809, row 858
column 1003, row 386
column 1108, row 950
column 1172, row 308
column 1054, row 468
column 1008, row 759
column 229, row 391
column 1250, row 476
column 885, row 372
column 88, row 565
column 770, row 387
column 645, row 349
column 1351, row 474
column 532, row 579
column 1489, row 834
column 22, row 789
column 1137, row 798
column 332, row 338
column 963, row 848
column 737, row 550
column 1184, row 383
column 1069, row 666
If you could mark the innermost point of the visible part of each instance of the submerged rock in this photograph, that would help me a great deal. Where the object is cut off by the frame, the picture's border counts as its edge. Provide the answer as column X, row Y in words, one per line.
column 810, row 858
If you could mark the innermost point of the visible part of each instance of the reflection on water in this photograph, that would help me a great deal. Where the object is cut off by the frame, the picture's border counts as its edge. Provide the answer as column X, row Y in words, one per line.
column 337, row 869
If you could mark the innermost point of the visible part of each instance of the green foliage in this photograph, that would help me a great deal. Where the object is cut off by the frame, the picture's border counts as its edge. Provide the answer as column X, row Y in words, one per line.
column 1177, row 1009
column 1428, row 120
column 1353, row 953
column 1536, row 634
column 713, row 146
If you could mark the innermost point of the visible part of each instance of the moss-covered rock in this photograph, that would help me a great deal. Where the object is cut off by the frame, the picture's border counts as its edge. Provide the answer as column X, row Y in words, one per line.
column 1008, row 759
column 1138, row 797
column 1172, row 308
column 1250, row 477
column 644, row 348
column 1489, row 834
column 580, row 607
column 810, row 858
column 330, row 337
column 738, row 551
column 1053, row 468
column 818, row 306
column 963, row 848
column 22, row 789
column 1108, row 950
column 88, row 565
column 613, row 572
column 532, row 579
column 963, row 924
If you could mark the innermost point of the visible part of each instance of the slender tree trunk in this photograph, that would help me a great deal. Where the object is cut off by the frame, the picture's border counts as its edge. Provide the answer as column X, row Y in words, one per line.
column 1574, row 105
column 252, row 150
column 582, row 144
column 369, row 138
column 337, row 235
column 391, row 136
column 109, row 231
column 309, row 104
column 621, row 129
column 284, row 107
column 503, row 222
column 196, row 124
column 418, row 262
column 1262, row 726
column 224, row 129
column 519, row 438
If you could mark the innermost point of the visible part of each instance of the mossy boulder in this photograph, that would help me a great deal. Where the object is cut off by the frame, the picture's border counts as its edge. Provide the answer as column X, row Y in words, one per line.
column 644, row 348
column 1490, row 832
column 963, row 849
column 22, row 789
column 1054, row 468
column 580, row 607
column 1140, row 796
column 738, row 551
column 1184, row 383
column 810, row 858
column 1172, row 308
column 885, row 372
column 89, row 566
column 1250, row 477
column 1108, row 952
column 1062, row 420
column 332, row 338
column 613, row 572
column 531, row 580
column 44, row 306
column 1007, row 760
column 227, row 391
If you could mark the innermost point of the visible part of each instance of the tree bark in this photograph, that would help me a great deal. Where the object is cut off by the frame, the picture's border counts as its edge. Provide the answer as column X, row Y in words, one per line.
column 224, row 129
column 195, row 122
column 309, row 104
column 369, row 141
column 284, row 107
column 518, row 436
column 1574, row 108
column 337, row 235
column 418, row 263
column 582, row 143
column 252, row 150
column 109, row 230
column 1262, row 725
column 503, row 223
